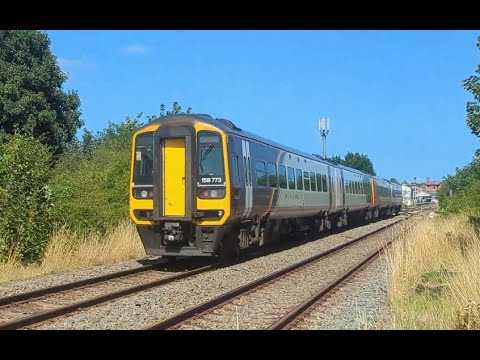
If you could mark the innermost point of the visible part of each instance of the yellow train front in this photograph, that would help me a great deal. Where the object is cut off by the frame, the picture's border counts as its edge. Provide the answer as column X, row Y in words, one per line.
column 179, row 198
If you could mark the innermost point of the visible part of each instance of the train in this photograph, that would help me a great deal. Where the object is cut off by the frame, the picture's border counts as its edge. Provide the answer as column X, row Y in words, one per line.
column 201, row 186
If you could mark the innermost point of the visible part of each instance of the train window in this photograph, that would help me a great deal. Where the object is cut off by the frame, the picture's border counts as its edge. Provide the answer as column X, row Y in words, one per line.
column 319, row 183
column 282, row 177
column 347, row 187
column 324, row 183
column 143, row 171
column 355, row 187
column 291, row 178
column 306, row 179
column 313, row 182
column 299, row 180
column 235, row 169
column 260, row 165
column 272, row 175
column 210, row 158
column 261, row 173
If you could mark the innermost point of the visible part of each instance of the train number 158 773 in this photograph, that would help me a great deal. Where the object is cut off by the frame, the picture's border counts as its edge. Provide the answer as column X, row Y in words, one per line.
column 211, row 180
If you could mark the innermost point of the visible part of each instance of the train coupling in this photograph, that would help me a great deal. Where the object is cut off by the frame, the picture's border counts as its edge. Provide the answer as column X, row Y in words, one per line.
column 172, row 232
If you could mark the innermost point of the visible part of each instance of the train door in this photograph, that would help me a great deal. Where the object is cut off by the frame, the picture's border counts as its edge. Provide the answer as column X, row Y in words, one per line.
column 174, row 179
column 337, row 197
column 247, row 176
column 341, row 187
column 331, row 190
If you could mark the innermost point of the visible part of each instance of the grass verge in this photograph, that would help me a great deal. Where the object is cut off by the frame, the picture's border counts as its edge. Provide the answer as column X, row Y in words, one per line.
column 70, row 250
column 434, row 275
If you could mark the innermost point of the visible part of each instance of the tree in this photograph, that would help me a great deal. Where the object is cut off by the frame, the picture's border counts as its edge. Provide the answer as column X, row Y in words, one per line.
column 32, row 101
column 176, row 109
column 25, row 200
column 337, row 159
column 472, row 85
column 393, row 180
column 461, row 192
column 356, row 161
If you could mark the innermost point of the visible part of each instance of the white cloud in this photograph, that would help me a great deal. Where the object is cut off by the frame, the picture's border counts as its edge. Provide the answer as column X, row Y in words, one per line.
column 135, row 49
column 69, row 64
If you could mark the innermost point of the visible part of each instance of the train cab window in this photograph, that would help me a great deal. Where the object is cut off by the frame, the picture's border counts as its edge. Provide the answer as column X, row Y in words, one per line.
column 299, row 179
column 282, row 177
column 319, row 182
column 291, row 178
column 234, row 168
column 313, row 182
column 272, row 175
column 306, row 178
column 261, row 173
column 210, row 158
column 325, row 183
column 143, row 171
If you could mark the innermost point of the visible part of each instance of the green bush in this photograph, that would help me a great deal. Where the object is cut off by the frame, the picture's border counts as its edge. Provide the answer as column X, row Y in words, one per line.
column 25, row 198
column 461, row 192
column 91, row 181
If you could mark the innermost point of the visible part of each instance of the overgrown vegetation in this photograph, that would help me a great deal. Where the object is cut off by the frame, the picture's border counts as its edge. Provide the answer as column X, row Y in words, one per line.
column 68, row 249
column 461, row 192
column 90, row 182
column 32, row 101
column 25, row 198
column 51, row 180
column 435, row 275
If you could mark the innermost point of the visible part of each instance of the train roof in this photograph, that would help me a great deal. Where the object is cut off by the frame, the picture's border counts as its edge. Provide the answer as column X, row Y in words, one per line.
column 229, row 127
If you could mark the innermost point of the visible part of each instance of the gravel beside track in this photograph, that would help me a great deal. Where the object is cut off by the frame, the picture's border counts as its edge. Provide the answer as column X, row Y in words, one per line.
column 140, row 310
column 260, row 308
column 70, row 276
column 361, row 303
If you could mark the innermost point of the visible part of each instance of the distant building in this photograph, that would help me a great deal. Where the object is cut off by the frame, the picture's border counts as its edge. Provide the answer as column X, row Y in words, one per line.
column 432, row 187
column 423, row 197
column 424, row 191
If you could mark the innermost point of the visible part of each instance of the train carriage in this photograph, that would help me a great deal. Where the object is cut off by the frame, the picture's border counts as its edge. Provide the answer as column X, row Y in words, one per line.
column 202, row 186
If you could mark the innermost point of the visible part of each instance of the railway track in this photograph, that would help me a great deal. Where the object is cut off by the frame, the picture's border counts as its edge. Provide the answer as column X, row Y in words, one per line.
column 31, row 309
column 204, row 315
column 35, row 307
column 301, row 311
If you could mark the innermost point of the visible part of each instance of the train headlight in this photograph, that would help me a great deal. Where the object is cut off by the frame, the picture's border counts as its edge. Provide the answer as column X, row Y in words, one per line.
column 142, row 193
column 211, row 194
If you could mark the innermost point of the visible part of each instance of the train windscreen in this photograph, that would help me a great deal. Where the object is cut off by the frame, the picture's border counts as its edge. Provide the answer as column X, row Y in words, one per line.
column 210, row 159
column 143, row 171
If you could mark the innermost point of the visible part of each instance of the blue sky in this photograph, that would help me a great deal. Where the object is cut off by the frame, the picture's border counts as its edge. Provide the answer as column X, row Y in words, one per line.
column 393, row 95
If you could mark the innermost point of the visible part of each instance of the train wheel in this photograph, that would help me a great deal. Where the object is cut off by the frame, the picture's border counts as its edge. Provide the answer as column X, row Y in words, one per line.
column 230, row 246
column 327, row 223
column 321, row 225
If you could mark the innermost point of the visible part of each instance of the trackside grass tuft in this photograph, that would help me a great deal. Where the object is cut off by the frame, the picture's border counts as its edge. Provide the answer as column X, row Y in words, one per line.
column 434, row 275
column 70, row 250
